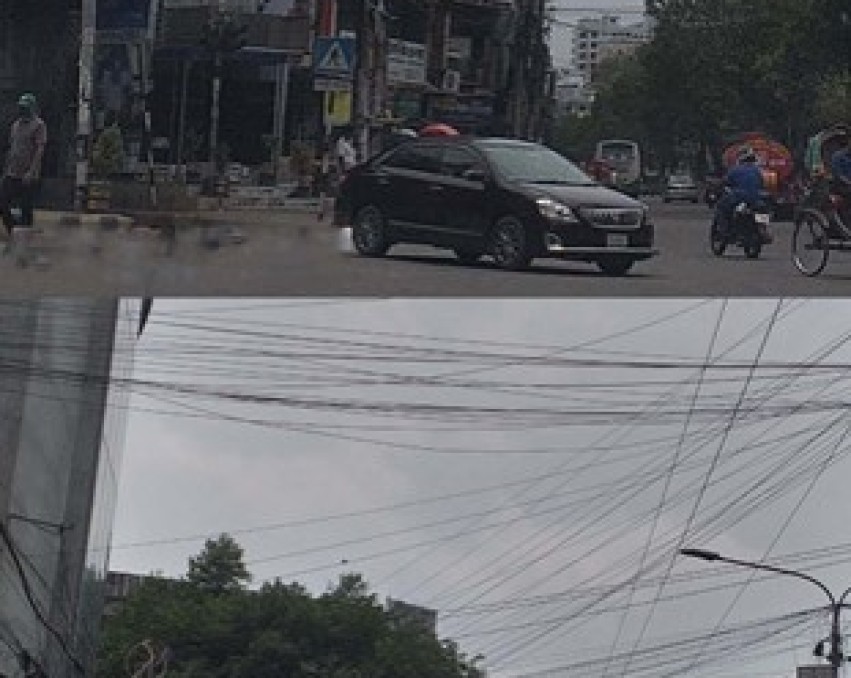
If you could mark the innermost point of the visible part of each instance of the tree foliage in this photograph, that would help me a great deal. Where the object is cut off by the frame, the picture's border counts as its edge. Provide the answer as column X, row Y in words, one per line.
column 716, row 68
column 219, row 567
column 278, row 630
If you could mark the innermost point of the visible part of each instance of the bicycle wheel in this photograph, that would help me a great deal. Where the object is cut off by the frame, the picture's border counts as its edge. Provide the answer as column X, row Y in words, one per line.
column 810, row 244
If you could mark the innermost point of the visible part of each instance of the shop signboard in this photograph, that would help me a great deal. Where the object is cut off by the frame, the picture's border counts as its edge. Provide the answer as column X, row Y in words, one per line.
column 406, row 63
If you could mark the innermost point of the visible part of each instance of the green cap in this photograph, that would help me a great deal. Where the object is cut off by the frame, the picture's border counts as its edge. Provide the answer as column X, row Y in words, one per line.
column 27, row 100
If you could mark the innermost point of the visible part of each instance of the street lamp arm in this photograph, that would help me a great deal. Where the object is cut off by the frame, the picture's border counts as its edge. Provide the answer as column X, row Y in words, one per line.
column 713, row 556
column 782, row 570
column 844, row 595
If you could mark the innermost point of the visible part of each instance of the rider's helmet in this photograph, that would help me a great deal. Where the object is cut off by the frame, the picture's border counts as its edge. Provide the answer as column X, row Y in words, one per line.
column 746, row 154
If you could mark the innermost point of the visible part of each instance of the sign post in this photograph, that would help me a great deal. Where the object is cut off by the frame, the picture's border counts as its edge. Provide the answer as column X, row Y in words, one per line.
column 333, row 74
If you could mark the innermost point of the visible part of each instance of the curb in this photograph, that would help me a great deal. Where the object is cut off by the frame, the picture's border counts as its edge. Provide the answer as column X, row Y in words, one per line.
column 105, row 222
column 165, row 218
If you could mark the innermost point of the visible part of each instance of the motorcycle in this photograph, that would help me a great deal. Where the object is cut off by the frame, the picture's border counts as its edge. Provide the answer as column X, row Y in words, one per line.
column 748, row 229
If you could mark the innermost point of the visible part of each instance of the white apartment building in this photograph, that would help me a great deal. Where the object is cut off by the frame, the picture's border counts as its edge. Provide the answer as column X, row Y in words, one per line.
column 600, row 38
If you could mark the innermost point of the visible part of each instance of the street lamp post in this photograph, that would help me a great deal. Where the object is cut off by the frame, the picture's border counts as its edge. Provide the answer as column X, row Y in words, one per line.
column 835, row 655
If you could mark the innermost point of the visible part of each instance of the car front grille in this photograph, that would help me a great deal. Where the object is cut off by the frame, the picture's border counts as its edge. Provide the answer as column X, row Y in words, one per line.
column 615, row 218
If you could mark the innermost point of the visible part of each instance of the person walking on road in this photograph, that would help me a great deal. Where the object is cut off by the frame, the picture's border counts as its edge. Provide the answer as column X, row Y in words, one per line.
column 22, row 170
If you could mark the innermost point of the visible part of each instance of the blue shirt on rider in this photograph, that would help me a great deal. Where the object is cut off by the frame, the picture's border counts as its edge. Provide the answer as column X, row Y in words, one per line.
column 746, row 182
column 840, row 164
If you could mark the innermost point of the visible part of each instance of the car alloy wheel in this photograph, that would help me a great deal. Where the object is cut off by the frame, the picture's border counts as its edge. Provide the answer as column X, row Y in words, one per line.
column 369, row 232
column 615, row 266
column 510, row 244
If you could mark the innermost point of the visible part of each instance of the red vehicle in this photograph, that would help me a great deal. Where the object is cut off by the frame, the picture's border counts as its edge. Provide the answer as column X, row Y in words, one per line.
column 778, row 169
column 600, row 171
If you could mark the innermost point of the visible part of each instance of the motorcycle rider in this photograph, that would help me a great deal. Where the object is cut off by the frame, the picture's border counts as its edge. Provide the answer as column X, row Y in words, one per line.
column 745, row 184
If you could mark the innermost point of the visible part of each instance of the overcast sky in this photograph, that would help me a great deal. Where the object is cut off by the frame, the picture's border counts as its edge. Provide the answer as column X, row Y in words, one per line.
column 527, row 467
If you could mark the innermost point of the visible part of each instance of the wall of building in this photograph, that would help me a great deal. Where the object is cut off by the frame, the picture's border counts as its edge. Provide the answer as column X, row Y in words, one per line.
column 62, row 430
column 600, row 38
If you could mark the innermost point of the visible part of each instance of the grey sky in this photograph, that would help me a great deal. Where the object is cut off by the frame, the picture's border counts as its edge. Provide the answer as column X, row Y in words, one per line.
column 373, row 404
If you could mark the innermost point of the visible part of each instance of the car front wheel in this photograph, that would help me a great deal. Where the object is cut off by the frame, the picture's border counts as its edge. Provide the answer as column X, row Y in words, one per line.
column 510, row 246
column 615, row 266
column 369, row 232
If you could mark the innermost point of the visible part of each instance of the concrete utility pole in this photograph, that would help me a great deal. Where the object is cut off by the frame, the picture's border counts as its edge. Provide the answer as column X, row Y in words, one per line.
column 835, row 654
column 362, row 81
column 85, row 95
column 223, row 35
column 370, row 70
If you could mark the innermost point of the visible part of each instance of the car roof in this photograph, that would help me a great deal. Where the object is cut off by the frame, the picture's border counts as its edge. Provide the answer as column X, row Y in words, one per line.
column 475, row 140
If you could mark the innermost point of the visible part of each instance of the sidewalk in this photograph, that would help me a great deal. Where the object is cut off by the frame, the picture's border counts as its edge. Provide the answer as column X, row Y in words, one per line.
column 295, row 212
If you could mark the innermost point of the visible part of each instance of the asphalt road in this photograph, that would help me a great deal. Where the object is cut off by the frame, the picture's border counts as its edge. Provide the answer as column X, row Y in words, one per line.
column 294, row 255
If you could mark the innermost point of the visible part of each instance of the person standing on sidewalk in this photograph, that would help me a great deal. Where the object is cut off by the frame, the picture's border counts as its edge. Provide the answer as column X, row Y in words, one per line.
column 23, row 163
column 347, row 157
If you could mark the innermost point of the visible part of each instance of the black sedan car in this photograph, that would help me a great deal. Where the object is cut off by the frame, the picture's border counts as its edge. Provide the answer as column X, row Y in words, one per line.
column 508, row 199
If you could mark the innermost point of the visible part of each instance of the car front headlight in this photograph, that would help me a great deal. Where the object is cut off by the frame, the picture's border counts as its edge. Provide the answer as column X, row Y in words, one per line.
column 556, row 211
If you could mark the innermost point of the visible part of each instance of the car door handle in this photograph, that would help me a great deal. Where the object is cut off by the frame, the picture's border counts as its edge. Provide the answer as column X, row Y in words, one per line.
column 384, row 181
column 437, row 188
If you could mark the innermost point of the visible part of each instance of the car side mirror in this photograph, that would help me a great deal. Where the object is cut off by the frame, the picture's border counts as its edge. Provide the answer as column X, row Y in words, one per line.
column 474, row 174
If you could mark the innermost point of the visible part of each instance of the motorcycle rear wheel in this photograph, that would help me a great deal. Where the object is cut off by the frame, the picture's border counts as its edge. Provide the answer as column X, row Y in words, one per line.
column 753, row 248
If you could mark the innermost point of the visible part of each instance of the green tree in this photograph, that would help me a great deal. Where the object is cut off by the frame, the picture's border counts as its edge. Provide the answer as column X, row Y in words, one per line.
column 219, row 567
column 717, row 68
column 833, row 99
column 276, row 630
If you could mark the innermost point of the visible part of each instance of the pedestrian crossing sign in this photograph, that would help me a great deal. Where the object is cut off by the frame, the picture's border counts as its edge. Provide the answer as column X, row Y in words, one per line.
column 334, row 57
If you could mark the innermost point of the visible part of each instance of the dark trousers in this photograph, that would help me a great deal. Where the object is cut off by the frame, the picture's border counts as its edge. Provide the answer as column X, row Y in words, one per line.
column 16, row 192
column 725, row 207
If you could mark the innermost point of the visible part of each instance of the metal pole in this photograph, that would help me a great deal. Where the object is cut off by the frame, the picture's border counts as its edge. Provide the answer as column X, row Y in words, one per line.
column 282, row 71
column 217, row 88
column 88, row 17
column 214, row 108
column 835, row 657
column 181, row 129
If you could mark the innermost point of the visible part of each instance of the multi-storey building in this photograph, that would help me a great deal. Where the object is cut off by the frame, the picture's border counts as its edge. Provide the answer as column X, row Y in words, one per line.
column 480, row 65
column 605, row 36
column 573, row 95
column 66, row 366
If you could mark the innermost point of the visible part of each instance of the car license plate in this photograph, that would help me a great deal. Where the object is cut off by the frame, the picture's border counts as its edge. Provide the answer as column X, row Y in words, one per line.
column 617, row 240
column 762, row 218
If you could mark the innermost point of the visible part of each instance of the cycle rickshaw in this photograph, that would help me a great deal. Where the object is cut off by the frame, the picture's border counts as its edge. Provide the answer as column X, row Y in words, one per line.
column 822, row 218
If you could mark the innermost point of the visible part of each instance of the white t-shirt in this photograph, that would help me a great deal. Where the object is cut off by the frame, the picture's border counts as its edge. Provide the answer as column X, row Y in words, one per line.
column 346, row 154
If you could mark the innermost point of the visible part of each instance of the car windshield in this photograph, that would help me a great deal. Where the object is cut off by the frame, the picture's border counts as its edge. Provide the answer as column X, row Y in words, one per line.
column 533, row 164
